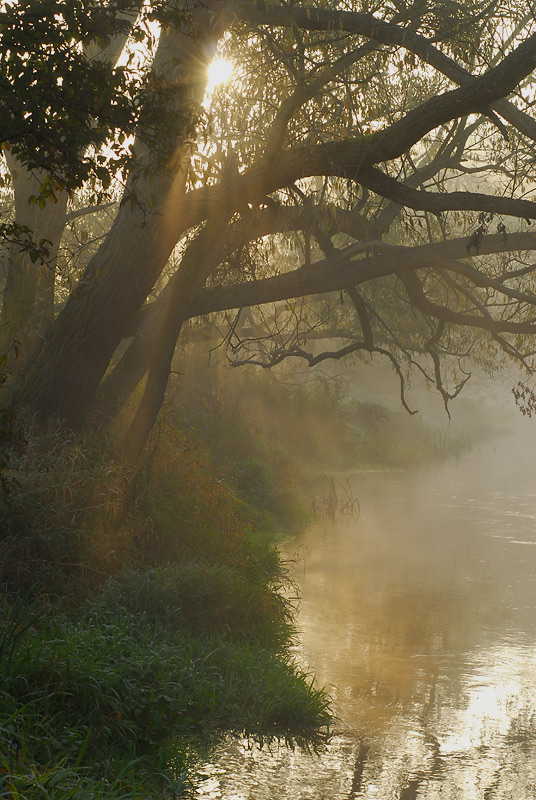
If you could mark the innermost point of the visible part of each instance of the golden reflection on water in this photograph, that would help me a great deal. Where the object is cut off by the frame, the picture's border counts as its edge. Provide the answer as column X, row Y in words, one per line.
column 420, row 618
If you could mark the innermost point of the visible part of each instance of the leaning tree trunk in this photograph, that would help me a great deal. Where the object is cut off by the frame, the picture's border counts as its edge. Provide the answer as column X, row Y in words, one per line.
column 197, row 263
column 129, row 371
column 115, row 284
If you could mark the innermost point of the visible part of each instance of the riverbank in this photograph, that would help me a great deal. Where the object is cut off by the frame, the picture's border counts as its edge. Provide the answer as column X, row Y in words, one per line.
column 141, row 619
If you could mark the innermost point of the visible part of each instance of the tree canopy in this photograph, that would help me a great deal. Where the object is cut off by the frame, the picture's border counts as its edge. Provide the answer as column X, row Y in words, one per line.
column 72, row 88
column 366, row 175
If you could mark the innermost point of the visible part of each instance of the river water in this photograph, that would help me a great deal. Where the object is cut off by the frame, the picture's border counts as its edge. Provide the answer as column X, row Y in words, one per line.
column 420, row 618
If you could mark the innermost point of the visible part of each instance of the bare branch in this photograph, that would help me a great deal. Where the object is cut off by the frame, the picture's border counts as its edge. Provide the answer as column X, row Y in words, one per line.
column 361, row 308
column 84, row 212
column 354, row 347
column 421, row 200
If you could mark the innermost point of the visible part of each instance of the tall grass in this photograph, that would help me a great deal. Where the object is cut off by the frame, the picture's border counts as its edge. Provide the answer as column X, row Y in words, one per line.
column 236, row 421
column 152, row 618
column 83, row 696
column 121, row 678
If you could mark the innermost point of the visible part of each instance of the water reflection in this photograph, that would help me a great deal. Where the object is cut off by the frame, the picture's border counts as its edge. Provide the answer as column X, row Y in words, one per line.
column 420, row 618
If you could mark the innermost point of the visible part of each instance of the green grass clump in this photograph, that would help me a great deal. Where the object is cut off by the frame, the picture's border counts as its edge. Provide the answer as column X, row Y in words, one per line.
column 128, row 680
column 81, row 696
column 204, row 599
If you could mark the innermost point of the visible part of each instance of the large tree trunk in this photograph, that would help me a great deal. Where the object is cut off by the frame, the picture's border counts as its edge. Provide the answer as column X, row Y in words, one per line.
column 116, row 282
column 28, row 297
column 28, row 301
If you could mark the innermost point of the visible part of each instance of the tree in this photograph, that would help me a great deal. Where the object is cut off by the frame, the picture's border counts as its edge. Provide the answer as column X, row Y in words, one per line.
column 72, row 95
column 369, row 140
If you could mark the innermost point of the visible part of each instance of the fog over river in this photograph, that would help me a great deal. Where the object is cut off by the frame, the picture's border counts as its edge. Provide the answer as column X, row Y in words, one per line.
column 420, row 617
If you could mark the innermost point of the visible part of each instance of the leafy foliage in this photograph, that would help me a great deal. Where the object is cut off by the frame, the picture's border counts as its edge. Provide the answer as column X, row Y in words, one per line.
column 63, row 95
column 295, row 160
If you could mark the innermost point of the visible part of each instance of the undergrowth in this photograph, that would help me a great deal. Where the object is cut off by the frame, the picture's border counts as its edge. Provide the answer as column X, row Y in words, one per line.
column 258, row 465
column 142, row 618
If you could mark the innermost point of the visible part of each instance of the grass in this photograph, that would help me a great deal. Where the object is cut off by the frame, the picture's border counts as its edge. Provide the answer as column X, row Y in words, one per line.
column 77, row 517
column 141, row 620
column 204, row 599
column 122, row 678
column 114, row 690
column 232, row 420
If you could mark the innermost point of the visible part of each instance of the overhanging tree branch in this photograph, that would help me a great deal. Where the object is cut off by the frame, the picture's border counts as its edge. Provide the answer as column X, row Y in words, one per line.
column 316, row 19
column 341, row 272
column 421, row 200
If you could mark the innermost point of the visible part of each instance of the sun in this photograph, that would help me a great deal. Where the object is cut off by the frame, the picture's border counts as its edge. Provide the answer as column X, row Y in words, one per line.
column 219, row 71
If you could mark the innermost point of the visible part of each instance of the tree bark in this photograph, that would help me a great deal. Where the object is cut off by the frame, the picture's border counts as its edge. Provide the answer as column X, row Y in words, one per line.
column 121, row 382
column 28, row 301
column 118, row 279
column 129, row 371
column 196, row 265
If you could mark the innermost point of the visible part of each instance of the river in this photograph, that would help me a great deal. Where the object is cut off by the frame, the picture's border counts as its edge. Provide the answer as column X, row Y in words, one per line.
column 420, row 618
